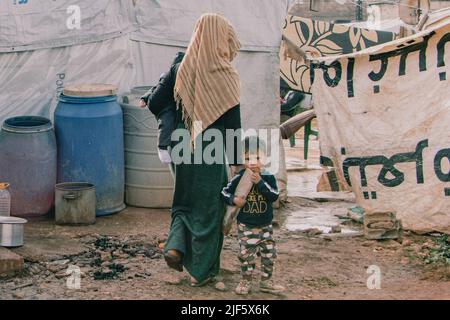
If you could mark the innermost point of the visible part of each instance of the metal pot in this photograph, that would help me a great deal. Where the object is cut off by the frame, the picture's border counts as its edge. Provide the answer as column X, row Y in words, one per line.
column 11, row 231
column 75, row 203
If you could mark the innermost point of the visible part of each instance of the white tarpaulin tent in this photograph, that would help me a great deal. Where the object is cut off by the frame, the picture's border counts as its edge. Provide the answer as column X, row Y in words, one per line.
column 384, row 116
column 128, row 43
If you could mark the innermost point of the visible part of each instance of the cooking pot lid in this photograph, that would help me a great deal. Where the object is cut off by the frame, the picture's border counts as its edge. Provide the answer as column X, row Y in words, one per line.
column 12, row 220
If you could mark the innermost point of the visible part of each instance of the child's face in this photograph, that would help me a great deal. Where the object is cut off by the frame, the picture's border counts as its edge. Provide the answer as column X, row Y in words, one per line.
column 254, row 161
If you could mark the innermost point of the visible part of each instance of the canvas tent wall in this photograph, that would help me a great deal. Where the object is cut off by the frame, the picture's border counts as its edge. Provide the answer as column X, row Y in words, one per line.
column 128, row 43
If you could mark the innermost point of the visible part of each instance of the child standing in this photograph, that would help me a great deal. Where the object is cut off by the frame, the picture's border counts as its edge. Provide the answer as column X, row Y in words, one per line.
column 255, row 231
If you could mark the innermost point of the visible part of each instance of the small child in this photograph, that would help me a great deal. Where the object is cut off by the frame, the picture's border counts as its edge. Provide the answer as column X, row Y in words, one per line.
column 161, row 103
column 255, row 231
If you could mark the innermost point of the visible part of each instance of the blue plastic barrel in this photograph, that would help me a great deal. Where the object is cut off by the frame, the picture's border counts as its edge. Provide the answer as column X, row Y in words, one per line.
column 89, row 133
column 28, row 164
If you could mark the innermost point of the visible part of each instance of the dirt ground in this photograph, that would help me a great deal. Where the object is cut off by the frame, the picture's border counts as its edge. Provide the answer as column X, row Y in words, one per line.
column 120, row 258
column 310, row 267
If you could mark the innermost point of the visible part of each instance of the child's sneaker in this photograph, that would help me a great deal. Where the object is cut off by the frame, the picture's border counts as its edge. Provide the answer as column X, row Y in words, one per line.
column 269, row 286
column 244, row 287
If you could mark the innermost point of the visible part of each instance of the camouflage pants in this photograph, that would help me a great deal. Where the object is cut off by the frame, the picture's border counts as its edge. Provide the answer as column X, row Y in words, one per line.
column 253, row 242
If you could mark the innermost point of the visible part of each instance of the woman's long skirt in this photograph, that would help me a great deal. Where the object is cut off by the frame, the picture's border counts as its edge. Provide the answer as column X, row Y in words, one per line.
column 197, row 214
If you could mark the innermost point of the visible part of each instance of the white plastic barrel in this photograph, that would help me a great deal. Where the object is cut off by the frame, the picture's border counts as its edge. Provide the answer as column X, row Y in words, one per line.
column 148, row 182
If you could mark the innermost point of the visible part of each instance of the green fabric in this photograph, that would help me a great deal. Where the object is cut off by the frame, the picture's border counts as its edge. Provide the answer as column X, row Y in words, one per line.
column 197, row 214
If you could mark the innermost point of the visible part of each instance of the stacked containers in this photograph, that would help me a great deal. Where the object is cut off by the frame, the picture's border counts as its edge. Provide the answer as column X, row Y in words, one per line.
column 89, row 131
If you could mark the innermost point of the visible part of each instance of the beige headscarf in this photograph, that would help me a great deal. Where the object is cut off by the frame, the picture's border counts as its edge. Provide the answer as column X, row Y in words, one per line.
column 207, row 85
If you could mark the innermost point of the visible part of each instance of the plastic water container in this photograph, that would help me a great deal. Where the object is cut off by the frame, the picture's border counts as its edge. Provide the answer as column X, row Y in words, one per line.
column 89, row 133
column 148, row 182
column 28, row 164
column 5, row 200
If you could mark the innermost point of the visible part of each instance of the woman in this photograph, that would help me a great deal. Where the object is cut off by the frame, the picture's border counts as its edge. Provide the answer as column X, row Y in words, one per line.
column 207, row 90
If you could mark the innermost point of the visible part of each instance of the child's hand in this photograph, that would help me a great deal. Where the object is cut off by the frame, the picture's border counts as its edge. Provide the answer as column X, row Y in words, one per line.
column 142, row 103
column 255, row 177
column 239, row 202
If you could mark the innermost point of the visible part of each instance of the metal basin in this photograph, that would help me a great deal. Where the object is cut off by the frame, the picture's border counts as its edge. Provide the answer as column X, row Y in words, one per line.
column 11, row 231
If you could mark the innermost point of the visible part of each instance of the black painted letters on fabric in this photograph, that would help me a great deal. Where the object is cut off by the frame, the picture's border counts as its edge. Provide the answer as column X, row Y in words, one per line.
column 332, row 82
column 445, row 153
column 377, row 76
column 350, row 72
column 441, row 50
column 384, row 63
column 422, row 47
column 388, row 166
column 403, row 53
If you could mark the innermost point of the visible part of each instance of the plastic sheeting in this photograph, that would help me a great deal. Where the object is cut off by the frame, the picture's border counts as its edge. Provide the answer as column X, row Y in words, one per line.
column 257, row 22
column 37, row 24
column 31, row 80
column 383, row 116
column 128, row 43
column 259, row 74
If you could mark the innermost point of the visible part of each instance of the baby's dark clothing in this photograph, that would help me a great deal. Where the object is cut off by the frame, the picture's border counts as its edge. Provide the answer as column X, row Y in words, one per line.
column 161, row 103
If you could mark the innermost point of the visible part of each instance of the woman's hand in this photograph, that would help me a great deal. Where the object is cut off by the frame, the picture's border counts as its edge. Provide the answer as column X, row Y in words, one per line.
column 142, row 103
column 239, row 201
